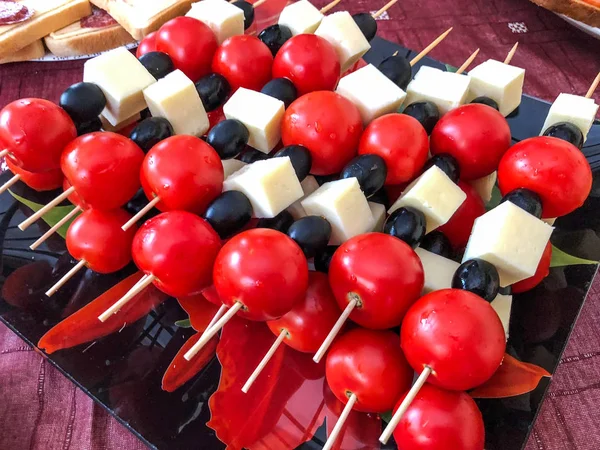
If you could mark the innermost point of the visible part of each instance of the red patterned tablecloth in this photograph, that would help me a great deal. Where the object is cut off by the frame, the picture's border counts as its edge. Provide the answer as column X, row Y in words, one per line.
column 40, row 409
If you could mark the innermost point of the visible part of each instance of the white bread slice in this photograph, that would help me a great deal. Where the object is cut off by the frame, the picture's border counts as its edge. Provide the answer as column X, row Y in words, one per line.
column 49, row 15
column 142, row 17
column 584, row 11
column 32, row 51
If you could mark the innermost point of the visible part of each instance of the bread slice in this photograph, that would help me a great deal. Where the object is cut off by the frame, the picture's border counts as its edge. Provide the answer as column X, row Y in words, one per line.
column 586, row 11
column 32, row 51
column 142, row 17
column 48, row 15
column 92, row 34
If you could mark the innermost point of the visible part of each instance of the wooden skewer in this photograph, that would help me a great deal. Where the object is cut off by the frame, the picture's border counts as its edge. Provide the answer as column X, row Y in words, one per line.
column 141, row 213
column 387, row 6
column 144, row 282
column 25, row 224
column 329, row 6
column 9, row 183
column 340, row 423
column 334, row 331
column 414, row 390
column 264, row 361
column 468, row 62
column 3, row 153
column 430, row 47
column 512, row 52
column 216, row 317
column 52, row 230
column 66, row 277
column 258, row 3
column 593, row 87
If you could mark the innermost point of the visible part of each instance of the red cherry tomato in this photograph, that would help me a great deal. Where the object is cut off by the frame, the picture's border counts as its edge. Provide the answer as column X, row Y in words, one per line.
column 74, row 197
column 215, row 116
column 179, row 249
column 210, row 294
column 457, row 334
column 104, row 168
column 264, row 270
column 40, row 181
column 328, row 124
column 147, row 45
column 401, row 141
column 311, row 319
column 190, row 43
column 308, row 61
column 382, row 273
column 458, row 228
column 245, row 61
column 542, row 272
column 476, row 135
column 96, row 237
column 35, row 132
column 440, row 420
column 552, row 168
column 370, row 365
column 184, row 171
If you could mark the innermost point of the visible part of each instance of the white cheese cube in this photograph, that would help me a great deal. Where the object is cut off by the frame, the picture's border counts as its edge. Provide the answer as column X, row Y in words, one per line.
column 344, row 206
column 511, row 239
column 502, row 304
column 485, row 185
column 309, row 185
column 122, row 79
column 550, row 220
column 301, row 17
column 379, row 216
column 230, row 166
column 271, row 185
column 223, row 18
column 501, row 82
column 175, row 98
column 106, row 126
column 438, row 270
column 579, row 111
column 435, row 195
column 260, row 113
column 372, row 92
column 446, row 89
column 342, row 32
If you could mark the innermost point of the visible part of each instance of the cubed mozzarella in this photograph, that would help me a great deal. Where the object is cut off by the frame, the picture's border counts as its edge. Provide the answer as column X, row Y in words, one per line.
column 550, row 220
column 501, row 82
column 502, row 304
column 309, row 185
column 372, row 92
column 485, row 185
column 342, row 32
column 106, row 126
column 446, row 89
column 379, row 216
column 122, row 79
column 511, row 239
column 230, row 166
column 579, row 111
column 175, row 98
column 344, row 206
column 271, row 185
column 260, row 113
column 223, row 18
column 438, row 270
column 301, row 17
column 435, row 195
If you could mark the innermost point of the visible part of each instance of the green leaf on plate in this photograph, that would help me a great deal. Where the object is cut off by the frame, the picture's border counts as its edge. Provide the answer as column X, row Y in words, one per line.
column 185, row 323
column 386, row 416
column 450, row 68
column 561, row 259
column 495, row 200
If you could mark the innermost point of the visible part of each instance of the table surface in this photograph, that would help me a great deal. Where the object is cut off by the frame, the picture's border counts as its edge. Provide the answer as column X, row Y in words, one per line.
column 43, row 410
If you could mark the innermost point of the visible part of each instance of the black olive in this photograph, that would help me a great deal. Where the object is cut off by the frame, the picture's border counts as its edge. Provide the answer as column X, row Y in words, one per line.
column 248, row 12
column 275, row 36
column 150, row 132
column 251, row 155
column 567, row 132
column 381, row 197
column 322, row 179
column 229, row 213
column 159, row 64
column 311, row 233
column 323, row 258
column 396, row 68
column 427, row 113
column 83, row 101
column 228, row 138
column 369, row 170
column 281, row 222
column 479, row 277
column 407, row 224
column 145, row 113
column 213, row 90
column 486, row 101
column 447, row 163
column 281, row 89
column 437, row 242
column 89, row 127
column 299, row 156
column 367, row 25
column 525, row 199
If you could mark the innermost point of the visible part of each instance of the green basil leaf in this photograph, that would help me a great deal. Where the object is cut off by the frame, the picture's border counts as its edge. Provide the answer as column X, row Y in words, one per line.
column 562, row 259
column 184, row 323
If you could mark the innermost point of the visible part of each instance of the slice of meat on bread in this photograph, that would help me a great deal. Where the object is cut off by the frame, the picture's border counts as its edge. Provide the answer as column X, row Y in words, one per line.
column 586, row 11
column 34, row 50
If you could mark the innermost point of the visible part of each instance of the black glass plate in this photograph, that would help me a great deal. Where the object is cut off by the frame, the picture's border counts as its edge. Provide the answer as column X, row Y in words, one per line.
column 123, row 371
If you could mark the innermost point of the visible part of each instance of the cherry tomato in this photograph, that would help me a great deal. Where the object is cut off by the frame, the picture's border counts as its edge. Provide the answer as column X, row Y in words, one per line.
column 35, row 132
column 184, row 171
column 245, row 61
column 552, row 168
column 190, row 43
column 215, row 116
column 401, row 141
column 457, row 334
column 74, row 197
column 458, row 228
column 104, row 168
column 210, row 294
column 147, row 45
column 440, row 420
column 310, row 320
column 382, row 273
column 96, row 237
column 263, row 269
column 370, row 365
column 40, row 181
column 542, row 272
column 328, row 124
column 476, row 135
column 179, row 249
column 308, row 61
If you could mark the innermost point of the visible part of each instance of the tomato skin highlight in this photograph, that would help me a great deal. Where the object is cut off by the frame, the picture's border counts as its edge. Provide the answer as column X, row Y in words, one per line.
column 458, row 228
column 39, row 181
column 147, row 45
column 542, row 272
